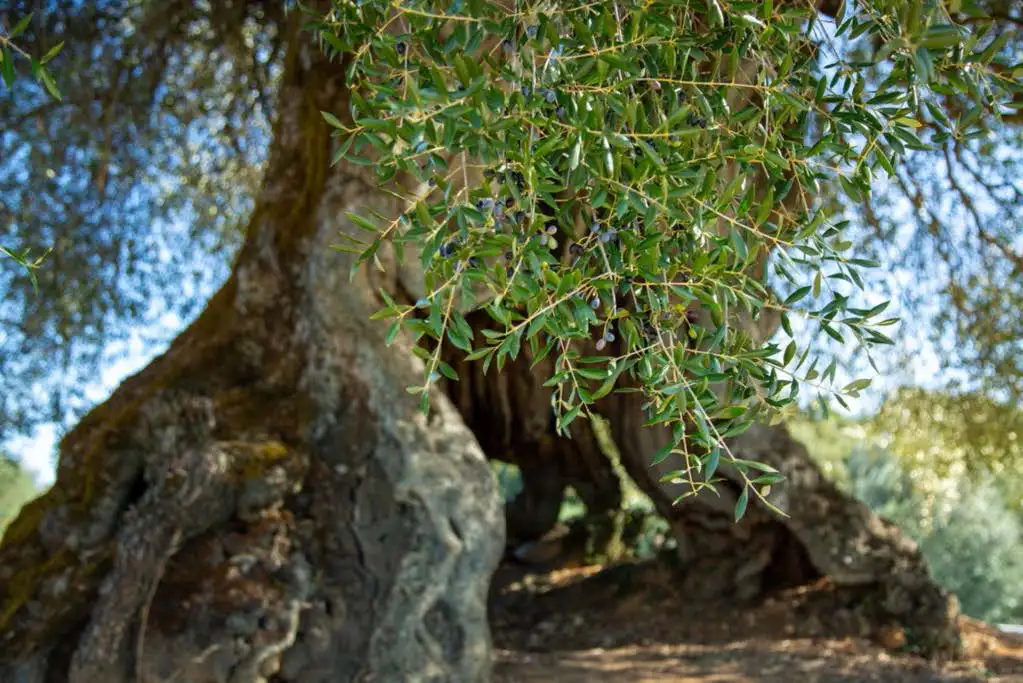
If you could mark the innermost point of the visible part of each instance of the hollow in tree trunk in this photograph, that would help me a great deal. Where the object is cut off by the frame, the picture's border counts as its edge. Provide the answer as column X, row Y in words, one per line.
column 827, row 533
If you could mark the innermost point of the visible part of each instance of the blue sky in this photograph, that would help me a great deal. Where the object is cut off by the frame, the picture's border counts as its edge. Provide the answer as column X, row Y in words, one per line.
column 38, row 452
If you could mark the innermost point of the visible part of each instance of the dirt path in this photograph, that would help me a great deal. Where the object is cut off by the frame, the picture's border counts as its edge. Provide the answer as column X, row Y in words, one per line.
column 740, row 662
column 567, row 629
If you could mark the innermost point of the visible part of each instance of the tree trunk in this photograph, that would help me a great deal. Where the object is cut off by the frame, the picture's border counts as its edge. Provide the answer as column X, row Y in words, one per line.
column 264, row 501
column 826, row 533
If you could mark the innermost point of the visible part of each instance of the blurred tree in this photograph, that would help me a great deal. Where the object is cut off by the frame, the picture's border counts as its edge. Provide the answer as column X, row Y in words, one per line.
column 880, row 481
column 829, row 441
column 972, row 541
column 966, row 522
column 16, row 489
column 139, row 179
column 945, row 437
column 974, row 546
column 10, row 53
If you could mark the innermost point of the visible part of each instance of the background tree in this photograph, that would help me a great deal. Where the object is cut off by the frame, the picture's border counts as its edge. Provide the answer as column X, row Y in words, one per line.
column 16, row 489
column 9, row 54
column 163, row 122
column 967, row 525
column 944, row 436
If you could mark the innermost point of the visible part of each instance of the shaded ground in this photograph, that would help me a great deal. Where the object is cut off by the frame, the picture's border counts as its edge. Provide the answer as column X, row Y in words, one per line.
column 627, row 624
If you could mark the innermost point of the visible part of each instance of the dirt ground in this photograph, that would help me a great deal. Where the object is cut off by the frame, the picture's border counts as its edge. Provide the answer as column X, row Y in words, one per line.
column 626, row 625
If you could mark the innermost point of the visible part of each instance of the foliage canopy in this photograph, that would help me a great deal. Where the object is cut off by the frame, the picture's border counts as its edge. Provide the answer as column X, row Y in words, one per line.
column 136, row 180
column 640, row 163
column 142, row 175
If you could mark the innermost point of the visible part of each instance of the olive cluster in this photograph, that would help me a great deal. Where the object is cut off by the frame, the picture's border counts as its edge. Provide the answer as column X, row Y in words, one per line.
column 604, row 234
column 697, row 121
column 602, row 343
column 499, row 210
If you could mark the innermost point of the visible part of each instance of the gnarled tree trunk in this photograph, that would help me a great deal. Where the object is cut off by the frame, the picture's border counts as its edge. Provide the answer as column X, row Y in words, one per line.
column 265, row 499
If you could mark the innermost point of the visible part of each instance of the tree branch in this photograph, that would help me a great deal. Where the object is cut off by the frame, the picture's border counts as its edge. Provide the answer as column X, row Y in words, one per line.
column 986, row 237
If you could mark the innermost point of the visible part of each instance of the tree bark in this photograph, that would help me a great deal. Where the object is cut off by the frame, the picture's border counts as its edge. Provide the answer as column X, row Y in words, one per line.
column 264, row 501
column 826, row 533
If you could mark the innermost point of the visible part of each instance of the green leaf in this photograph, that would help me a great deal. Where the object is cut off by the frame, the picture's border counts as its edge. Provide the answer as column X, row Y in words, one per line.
column 995, row 47
column 718, row 337
column 740, row 505
column 447, row 371
column 832, row 332
column 652, row 154
column 797, row 295
column 941, row 36
column 392, row 332
column 47, row 80
column 333, row 41
column 362, row 222
column 566, row 418
column 7, row 67
column 717, row 17
column 765, row 207
column 662, row 454
column 790, row 352
column 332, row 120
column 786, row 325
column 711, row 464
column 857, row 385
column 53, row 52
column 20, row 27
column 739, row 244
column 573, row 159
column 459, row 339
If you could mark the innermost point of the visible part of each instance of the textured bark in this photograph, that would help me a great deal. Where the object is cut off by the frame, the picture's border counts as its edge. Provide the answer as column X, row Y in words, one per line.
column 264, row 499
column 826, row 533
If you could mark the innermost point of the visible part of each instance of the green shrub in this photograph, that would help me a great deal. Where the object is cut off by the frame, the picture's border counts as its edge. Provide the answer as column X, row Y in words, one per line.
column 508, row 478
column 16, row 489
column 970, row 536
column 975, row 548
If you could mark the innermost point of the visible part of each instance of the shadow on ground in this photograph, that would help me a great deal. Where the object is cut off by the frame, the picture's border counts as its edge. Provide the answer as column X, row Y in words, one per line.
column 628, row 624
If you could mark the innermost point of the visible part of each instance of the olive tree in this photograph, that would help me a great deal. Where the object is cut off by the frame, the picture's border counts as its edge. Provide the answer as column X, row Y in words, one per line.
column 617, row 191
